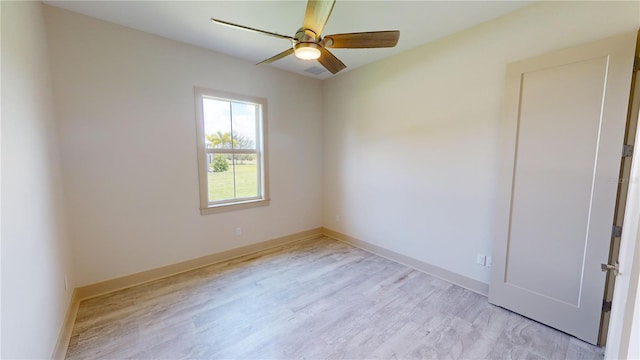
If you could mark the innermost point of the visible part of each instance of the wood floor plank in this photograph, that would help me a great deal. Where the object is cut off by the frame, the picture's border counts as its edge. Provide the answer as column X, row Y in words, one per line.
column 314, row 299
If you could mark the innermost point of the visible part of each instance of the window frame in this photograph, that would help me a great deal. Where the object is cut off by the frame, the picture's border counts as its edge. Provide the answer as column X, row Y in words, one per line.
column 207, row 207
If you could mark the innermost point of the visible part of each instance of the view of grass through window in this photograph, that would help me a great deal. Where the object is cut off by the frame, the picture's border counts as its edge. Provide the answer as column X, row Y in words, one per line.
column 221, row 184
column 230, row 135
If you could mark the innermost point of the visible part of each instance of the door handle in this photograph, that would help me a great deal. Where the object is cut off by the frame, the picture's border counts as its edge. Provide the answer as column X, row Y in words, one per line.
column 607, row 267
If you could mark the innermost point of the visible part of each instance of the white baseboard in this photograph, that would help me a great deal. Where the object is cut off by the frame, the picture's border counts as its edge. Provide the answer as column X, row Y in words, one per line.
column 460, row 280
column 60, row 351
column 127, row 281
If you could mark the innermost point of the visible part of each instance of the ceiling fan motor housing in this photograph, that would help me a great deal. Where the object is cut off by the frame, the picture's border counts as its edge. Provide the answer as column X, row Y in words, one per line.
column 306, row 36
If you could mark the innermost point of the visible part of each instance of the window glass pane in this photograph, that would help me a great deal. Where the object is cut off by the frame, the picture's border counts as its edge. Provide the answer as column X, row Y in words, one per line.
column 217, row 123
column 246, row 175
column 244, row 125
column 220, row 177
column 233, row 140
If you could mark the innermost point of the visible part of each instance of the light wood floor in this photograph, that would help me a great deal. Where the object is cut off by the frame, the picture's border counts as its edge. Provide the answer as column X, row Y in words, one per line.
column 315, row 299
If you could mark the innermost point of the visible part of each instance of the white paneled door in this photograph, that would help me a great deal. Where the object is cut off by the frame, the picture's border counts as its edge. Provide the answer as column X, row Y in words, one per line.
column 563, row 130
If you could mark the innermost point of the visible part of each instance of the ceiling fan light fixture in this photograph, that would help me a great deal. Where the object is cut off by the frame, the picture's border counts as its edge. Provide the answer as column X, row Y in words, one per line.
column 309, row 44
column 307, row 51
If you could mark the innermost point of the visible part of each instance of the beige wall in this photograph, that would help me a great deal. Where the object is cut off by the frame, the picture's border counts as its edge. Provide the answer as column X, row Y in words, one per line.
column 404, row 151
column 411, row 143
column 35, row 252
column 126, row 113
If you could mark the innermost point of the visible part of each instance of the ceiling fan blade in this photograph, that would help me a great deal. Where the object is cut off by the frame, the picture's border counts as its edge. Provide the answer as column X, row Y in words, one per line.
column 330, row 61
column 363, row 40
column 276, row 57
column 226, row 23
column 317, row 15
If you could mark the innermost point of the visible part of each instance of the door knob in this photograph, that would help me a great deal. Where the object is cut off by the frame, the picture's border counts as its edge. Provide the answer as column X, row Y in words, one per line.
column 607, row 267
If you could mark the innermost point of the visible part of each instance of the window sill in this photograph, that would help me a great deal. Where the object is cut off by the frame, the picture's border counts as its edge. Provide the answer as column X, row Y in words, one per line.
column 215, row 209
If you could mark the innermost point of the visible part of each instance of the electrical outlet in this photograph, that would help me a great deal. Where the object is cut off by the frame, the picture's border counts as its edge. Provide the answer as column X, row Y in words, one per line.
column 488, row 261
column 238, row 231
column 337, row 218
column 481, row 259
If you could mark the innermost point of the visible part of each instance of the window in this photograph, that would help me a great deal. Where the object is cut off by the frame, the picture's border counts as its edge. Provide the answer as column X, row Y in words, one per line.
column 231, row 151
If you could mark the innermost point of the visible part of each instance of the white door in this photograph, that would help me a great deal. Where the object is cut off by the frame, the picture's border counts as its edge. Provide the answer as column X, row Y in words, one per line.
column 563, row 130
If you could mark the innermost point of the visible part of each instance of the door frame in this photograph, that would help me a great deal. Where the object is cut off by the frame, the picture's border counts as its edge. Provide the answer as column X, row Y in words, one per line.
column 626, row 290
column 622, row 196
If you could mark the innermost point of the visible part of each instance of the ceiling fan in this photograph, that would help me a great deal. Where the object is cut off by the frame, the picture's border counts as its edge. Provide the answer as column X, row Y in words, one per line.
column 308, row 44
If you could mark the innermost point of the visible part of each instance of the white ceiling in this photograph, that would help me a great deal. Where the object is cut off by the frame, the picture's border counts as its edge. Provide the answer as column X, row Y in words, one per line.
column 419, row 22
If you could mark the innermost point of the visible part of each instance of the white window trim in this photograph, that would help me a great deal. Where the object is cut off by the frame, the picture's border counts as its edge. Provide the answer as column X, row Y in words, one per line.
column 261, row 149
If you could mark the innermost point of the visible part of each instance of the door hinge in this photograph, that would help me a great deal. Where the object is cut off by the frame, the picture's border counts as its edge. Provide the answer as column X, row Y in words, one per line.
column 606, row 306
column 627, row 150
column 616, row 231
